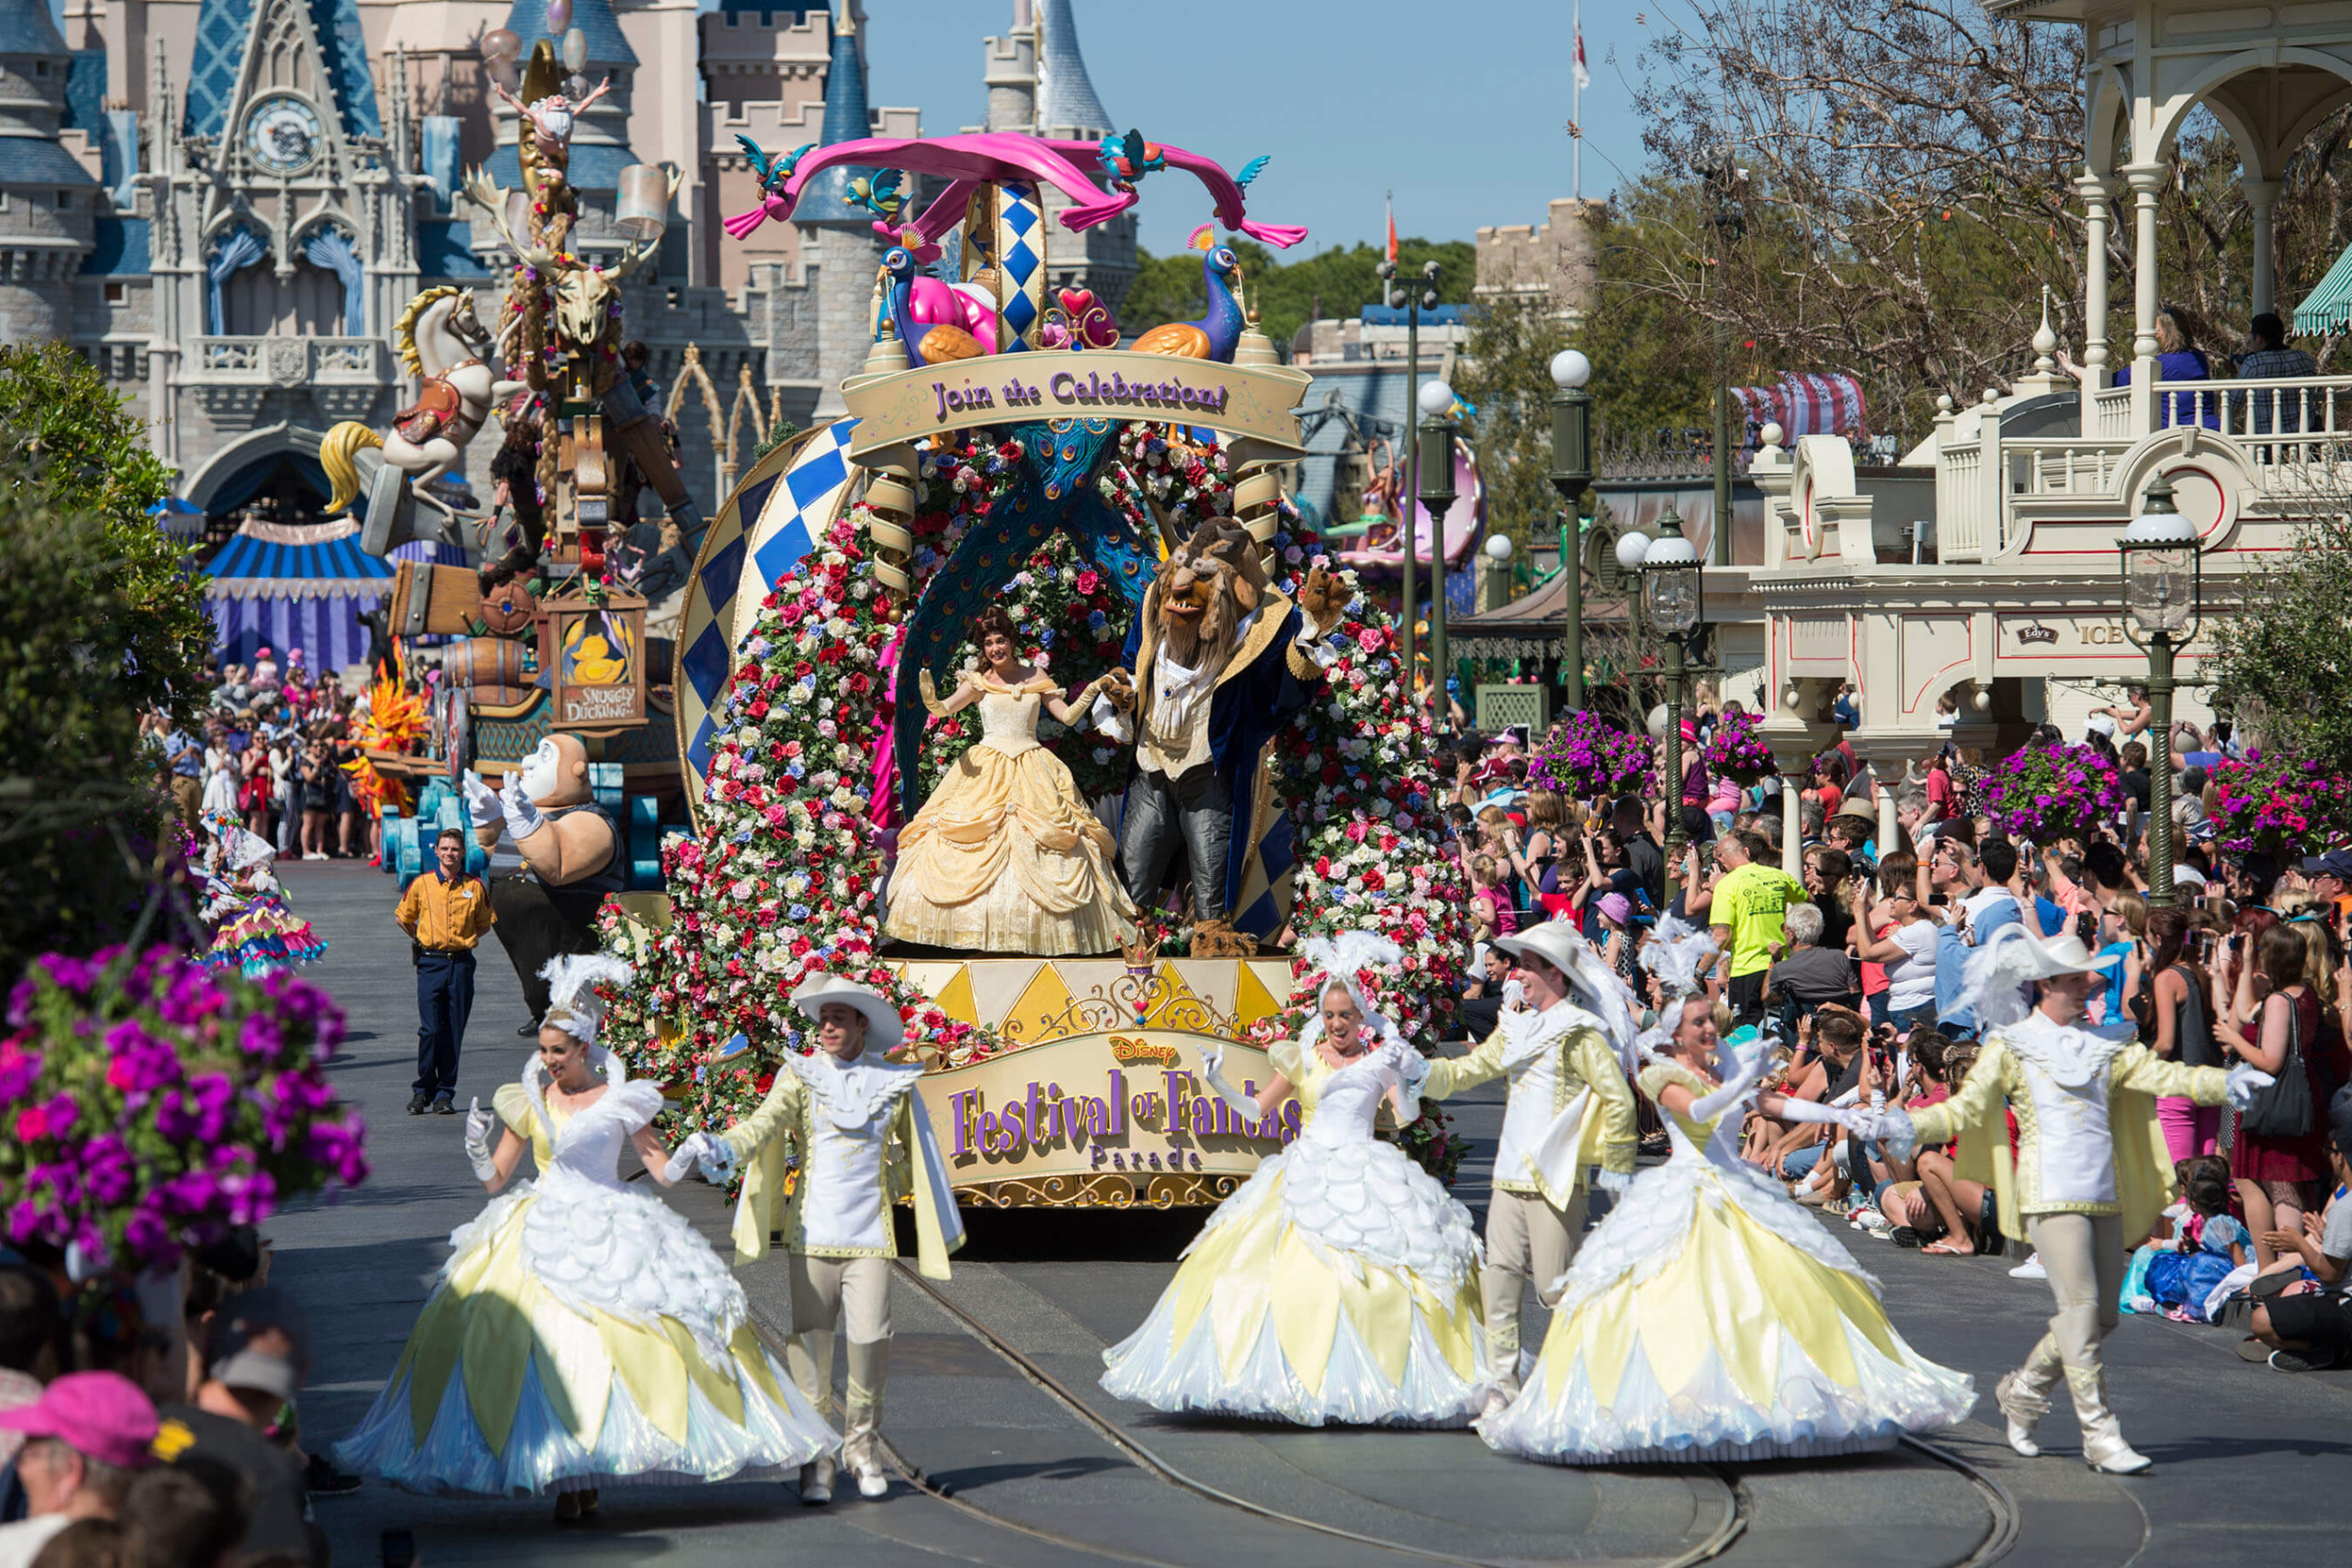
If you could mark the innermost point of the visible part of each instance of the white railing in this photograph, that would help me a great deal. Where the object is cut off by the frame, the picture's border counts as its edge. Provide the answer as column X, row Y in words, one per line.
column 291, row 361
column 1959, row 501
column 2048, row 465
column 2111, row 414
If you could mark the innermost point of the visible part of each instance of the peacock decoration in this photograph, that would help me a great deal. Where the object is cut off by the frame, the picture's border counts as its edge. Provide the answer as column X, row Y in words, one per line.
column 938, row 322
column 1214, row 335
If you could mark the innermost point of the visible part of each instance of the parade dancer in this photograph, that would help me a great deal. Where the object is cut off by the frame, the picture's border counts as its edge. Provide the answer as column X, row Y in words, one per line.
column 1571, row 1108
column 1339, row 1283
column 2089, row 1172
column 580, row 1333
column 1708, row 1318
column 864, row 1141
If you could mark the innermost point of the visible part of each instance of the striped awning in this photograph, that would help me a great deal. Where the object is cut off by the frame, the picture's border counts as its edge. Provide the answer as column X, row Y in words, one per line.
column 268, row 561
column 2328, row 310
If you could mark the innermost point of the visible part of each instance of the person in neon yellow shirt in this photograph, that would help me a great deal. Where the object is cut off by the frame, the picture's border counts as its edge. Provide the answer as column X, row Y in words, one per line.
column 1750, row 904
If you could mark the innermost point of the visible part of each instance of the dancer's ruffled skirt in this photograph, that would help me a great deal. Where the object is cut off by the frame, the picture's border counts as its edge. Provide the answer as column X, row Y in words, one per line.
column 1351, row 1299
column 1709, row 1319
column 507, row 1389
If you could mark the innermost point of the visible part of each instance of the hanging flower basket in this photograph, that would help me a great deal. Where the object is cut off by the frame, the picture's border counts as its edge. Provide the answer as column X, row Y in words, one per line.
column 1735, row 752
column 1585, row 759
column 2273, row 804
column 2047, row 793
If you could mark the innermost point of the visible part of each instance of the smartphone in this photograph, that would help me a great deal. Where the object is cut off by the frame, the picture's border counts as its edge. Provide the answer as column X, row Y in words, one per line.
column 400, row 1549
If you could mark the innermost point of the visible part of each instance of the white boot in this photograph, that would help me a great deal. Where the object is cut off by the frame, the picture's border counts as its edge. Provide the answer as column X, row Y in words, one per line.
column 2024, row 1394
column 2104, row 1449
column 861, row 1432
column 810, row 1359
column 817, row 1481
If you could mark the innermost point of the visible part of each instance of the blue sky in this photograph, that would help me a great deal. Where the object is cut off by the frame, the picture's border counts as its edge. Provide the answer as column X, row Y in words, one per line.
column 1460, row 106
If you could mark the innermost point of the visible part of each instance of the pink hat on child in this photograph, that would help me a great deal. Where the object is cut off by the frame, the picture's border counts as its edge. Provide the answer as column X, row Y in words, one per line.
column 102, row 1416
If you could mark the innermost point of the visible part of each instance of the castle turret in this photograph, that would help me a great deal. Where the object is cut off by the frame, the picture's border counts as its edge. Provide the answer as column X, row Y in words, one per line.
column 837, row 238
column 51, row 198
column 1009, row 70
column 600, row 149
column 1066, row 107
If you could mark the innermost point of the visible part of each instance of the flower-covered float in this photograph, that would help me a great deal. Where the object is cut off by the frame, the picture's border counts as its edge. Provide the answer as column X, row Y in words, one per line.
column 1017, row 512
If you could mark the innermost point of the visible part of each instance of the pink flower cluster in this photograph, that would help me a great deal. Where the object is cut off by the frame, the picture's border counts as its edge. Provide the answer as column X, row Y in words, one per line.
column 1585, row 757
column 2275, row 803
column 1736, row 750
column 2046, row 793
column 152, row 1105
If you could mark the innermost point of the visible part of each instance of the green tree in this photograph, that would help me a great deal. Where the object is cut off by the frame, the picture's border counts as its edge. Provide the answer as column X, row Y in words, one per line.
column 2283, row 653
column 82, row 453
column 1287, row 294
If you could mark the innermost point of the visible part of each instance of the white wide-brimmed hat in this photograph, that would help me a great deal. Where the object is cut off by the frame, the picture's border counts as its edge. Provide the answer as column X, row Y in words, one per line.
column 2063, row 955
column 883, row 1030
column 1556, row 943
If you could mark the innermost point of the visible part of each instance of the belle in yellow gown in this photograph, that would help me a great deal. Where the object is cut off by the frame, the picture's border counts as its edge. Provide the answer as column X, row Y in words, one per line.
column 1339, row 1284
column 1006, row 856
column 1709, row 1319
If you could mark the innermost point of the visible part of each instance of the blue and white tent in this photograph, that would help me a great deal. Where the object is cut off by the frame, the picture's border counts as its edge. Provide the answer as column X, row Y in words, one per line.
column 283, row 586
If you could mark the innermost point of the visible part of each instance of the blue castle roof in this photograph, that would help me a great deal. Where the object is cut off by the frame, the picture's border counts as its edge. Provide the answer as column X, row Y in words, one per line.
column 224, row 27
column 824, row 201
column 35, row 161
column 26, row 28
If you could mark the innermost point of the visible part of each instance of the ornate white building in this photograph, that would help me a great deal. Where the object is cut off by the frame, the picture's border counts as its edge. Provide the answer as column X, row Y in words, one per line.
column 227, row 203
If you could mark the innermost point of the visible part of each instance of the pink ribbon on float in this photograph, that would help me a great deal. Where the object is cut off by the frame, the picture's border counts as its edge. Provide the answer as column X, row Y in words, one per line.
column 881, row 798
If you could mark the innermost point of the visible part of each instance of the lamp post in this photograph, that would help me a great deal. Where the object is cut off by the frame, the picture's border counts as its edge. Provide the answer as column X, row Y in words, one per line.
column 1393, row 295
column 1671, row 594
column 1571, row 473
column 1433, row 454
column 2164, row 583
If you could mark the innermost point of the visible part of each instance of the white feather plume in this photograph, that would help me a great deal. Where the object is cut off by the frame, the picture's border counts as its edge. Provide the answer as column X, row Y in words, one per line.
column 572, row 980
column 1337, row 961
column 1993, row 984
column 1678, row 954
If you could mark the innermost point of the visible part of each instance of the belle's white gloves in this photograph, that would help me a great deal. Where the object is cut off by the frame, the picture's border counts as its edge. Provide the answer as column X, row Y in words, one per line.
column 1894, row 1128
column 483, row 804
column 1748, row 1071
column 480, row 1123
column 523, row 818
column 713, row 1153
column 2244, row 1079
column 1242, row 1105
column 692, row 1150
column 1514, row 994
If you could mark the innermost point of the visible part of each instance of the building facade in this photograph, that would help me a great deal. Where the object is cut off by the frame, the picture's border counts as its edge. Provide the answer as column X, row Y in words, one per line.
column 227, row 203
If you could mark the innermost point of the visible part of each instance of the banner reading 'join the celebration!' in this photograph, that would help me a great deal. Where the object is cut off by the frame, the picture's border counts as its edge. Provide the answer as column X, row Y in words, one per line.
column 1011, row 389
column 1110, row 1119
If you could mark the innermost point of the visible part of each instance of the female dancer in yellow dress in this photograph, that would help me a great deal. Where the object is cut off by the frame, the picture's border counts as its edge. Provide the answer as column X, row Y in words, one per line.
column 1339, row 1283
column 582, row 1331
column 1709, row 1318
column 1006, row 856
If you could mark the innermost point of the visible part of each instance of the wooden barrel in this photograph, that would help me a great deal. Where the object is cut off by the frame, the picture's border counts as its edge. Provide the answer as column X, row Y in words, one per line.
column 491, row 668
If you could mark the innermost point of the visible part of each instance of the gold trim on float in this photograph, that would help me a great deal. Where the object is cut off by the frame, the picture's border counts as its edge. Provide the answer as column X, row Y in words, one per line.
column 1166, row 1190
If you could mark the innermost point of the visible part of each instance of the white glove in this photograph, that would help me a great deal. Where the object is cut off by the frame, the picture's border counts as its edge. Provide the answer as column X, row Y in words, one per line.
column 1613, row 1180
column 479, row 1125
column 1213, row 1071
column 2244, row 1079
column 1748, row 1072
column 683, row 1158
column 482, row 805
column 1895, row 1131
column 717, row 1158
column 1514, row 994
column 523, row 818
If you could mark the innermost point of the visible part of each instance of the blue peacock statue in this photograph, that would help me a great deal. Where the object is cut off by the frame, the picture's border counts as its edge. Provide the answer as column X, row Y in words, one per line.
column 1214, row 335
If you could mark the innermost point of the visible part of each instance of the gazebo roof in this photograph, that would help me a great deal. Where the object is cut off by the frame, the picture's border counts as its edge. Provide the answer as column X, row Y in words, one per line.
column 275, row 561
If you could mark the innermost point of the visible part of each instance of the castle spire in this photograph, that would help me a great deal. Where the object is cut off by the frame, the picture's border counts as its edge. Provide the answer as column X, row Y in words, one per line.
column 824, row 200
column 1066, row 107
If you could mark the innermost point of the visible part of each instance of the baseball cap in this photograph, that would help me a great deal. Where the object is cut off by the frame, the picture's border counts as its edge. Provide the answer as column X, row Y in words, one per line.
column 231, row 1355
column 2335, row 862
column 102, row 1416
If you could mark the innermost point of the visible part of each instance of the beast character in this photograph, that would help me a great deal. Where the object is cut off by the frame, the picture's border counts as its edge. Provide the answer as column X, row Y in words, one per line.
column 1215, row 663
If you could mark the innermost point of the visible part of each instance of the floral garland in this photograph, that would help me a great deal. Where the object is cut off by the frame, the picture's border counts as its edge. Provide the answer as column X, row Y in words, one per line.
column 153, row 1105
column 2270, row 804
column 1160, row 467
column 1356, row 766
column 1073, row 625
column 1585, row 758
column 2046, row 793
column 781, row 883
column 1736, row 751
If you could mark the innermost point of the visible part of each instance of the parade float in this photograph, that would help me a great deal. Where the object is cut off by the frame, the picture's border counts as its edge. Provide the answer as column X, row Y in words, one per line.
column 566, row 627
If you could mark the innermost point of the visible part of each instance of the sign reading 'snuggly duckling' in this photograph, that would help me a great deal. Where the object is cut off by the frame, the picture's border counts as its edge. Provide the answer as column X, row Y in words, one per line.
column 1008, row 388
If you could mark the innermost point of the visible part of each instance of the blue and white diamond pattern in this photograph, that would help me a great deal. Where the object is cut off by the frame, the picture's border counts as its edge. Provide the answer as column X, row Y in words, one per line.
column 764, row 531
column 1021, row 253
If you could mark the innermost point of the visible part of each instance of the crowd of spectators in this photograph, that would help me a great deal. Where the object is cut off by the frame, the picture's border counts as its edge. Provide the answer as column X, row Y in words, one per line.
column 152, row 1422
column 270, row 751
column 1858, row 965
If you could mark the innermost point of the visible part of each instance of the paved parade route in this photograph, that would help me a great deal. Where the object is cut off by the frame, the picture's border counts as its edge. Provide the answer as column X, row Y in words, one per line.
column 994, row 1408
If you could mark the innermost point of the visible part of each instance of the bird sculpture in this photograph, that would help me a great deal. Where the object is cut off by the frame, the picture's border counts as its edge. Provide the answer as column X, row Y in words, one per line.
column 880, row 195
column 926, row 319
column 772, row 169
column 1129, row 158
column 1214, row 335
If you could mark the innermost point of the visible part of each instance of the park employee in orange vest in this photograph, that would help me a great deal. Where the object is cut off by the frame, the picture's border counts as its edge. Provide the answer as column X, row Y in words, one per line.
column 1571, row 1108
column 864, row 1141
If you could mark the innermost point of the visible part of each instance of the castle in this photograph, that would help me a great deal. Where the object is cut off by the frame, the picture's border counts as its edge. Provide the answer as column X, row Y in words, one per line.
column 226, row 203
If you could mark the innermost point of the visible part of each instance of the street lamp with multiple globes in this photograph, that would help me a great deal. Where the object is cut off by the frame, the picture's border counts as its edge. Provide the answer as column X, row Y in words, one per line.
column 1571, row 475
column 2164, row 583
column 1672, row 597
column 1434, row 457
